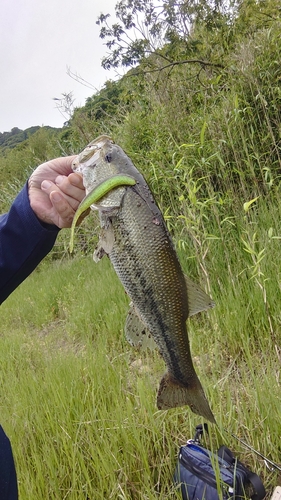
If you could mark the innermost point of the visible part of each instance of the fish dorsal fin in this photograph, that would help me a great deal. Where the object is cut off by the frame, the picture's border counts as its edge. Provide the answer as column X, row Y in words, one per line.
column 137, row 333
column 198, row 300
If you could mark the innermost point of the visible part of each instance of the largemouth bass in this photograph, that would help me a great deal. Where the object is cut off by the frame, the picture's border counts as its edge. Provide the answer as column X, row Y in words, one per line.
column 135, row 237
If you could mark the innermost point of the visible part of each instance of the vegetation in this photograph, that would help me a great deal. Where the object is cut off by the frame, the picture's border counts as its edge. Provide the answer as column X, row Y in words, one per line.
column 77, row 401
column 9, row 140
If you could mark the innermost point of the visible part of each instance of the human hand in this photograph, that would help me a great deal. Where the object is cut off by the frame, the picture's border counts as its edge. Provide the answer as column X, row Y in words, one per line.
column 55, row 191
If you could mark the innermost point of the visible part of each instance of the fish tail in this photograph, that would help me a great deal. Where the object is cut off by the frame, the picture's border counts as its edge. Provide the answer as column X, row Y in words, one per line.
column 172, row 394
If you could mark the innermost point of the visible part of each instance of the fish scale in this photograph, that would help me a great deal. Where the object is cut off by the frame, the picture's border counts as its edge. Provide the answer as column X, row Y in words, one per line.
column 135, row 237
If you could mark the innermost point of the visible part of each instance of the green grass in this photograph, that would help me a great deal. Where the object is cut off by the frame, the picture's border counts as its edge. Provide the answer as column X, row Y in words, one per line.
column 80, row 413
column 78, row 403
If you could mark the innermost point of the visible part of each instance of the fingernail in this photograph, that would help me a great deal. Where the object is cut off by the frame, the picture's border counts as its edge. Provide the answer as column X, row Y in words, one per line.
column 46, row 184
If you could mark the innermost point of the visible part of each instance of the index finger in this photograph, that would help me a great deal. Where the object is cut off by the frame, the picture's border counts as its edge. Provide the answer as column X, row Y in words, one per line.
column 63, row 166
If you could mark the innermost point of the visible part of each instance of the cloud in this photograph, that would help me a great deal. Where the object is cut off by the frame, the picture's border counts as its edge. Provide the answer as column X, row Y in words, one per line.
column 39, row 41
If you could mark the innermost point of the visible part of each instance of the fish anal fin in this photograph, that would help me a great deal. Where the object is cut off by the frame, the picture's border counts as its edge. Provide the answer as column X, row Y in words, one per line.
column 173, row 394
column 136, row 332
column 198, row 300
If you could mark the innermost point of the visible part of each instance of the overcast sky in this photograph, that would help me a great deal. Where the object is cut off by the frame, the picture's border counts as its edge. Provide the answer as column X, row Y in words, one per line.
column 39, row 40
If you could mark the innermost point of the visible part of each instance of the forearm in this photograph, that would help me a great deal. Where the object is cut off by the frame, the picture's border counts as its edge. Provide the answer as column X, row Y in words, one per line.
column 24, row 242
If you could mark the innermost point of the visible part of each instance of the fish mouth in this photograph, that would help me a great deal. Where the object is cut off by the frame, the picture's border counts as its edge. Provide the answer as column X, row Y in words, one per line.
column 90, row 153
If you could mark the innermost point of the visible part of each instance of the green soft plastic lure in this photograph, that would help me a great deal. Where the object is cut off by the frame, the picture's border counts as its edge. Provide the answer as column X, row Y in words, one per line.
column 96, row 194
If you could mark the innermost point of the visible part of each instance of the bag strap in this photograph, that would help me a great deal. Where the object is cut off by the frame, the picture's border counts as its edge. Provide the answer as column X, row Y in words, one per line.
column 227, row 455
column 199, row 431
column 257, row 485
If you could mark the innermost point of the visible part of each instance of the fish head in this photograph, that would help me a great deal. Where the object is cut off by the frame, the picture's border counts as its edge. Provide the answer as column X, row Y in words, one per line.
column 91, row 162
column 98, row 162
column 101, row 159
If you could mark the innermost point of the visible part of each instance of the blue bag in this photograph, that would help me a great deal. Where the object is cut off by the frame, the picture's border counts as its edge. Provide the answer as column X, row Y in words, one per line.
column 203, row 475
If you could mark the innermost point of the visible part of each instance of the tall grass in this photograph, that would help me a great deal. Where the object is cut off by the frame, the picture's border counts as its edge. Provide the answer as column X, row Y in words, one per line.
column 79, row 404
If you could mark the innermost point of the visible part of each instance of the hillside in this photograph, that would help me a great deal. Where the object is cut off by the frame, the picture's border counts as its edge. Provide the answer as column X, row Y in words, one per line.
column 9, row 140
column 200, row 117
column 212, row 113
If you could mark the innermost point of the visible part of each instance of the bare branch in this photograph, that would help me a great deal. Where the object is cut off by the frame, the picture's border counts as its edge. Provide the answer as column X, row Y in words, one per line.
column 177, row 63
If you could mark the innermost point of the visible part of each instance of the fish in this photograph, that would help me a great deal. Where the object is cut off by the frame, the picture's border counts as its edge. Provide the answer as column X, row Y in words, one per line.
column 135, row 237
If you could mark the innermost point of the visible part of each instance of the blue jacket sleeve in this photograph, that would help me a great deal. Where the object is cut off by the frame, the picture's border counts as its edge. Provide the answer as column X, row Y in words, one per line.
column 24, row 242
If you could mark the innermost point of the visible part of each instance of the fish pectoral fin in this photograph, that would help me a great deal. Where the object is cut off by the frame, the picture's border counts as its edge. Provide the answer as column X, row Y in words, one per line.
column 198, row 300
column 99, row 253
column 172, row 394
column 105, row 244
column 137, row 333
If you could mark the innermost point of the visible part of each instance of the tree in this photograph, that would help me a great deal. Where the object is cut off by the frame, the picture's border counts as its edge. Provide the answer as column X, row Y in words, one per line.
column 149, row 30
